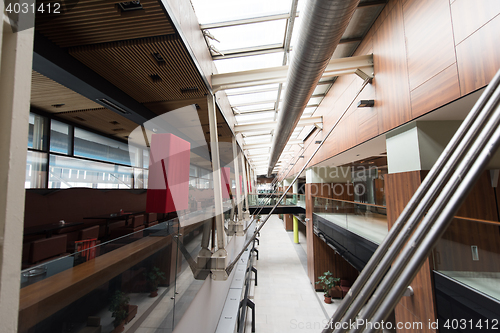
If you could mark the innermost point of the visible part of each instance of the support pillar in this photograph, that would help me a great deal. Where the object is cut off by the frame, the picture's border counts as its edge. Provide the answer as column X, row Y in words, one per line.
column 16, row 52
column 295, row 230
column 411, row 151
column 237, row 177
column 245, row 188
column 219, row 258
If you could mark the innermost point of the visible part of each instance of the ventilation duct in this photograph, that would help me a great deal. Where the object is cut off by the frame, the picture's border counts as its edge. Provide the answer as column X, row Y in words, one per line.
column 323, row 25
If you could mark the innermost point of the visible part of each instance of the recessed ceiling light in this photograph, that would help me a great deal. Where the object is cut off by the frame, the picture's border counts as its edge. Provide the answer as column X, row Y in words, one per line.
column 159, row 59
column 58, row 105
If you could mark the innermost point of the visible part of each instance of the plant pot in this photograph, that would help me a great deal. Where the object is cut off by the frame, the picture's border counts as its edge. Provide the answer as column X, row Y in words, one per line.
column 120, row 328
column 154, row 293
column 328, row 299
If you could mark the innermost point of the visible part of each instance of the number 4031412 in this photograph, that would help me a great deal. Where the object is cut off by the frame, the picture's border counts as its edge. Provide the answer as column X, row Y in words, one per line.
column 24, row 8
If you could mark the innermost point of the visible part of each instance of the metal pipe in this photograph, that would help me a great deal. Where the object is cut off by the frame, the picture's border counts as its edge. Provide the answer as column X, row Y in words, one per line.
column 437, row 220
column 323, row 25
column 441, row 224
column 376, row 267
column 428, row 220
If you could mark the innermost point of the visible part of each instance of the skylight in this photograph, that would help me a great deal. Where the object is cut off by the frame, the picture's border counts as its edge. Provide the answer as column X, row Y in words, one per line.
column 249, row 62
column 228, row 10
column 249, row 35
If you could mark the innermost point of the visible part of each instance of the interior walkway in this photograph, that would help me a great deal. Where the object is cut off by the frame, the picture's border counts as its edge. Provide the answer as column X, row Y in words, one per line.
column 284, row 298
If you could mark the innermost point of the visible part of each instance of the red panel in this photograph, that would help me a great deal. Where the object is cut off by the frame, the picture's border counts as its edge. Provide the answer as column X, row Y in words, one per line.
column 168, row 181
column 226, row 182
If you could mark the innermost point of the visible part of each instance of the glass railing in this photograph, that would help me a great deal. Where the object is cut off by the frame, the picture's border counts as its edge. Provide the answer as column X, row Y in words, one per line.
column 156, row 271
column 469, row 252
column 366, row 220
column 266, row 199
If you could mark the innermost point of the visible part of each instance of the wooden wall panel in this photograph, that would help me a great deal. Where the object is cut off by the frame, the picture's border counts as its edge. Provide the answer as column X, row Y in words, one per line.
column 478, row 57
column 439, row 90
column 427, row 56
column 391, row 74
column 468, row 16
column 320, row 257
column 309, row 234
column 288, row 222
column 400, row 187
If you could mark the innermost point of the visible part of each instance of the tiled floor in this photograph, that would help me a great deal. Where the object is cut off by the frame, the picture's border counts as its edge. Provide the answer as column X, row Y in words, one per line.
column 284, row 298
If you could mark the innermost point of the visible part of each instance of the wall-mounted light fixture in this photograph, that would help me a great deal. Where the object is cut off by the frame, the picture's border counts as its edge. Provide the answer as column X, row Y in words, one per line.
column 366, row 103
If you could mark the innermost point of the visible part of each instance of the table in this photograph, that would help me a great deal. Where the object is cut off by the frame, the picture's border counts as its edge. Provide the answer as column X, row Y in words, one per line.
column 112, row 217
column 48, row 229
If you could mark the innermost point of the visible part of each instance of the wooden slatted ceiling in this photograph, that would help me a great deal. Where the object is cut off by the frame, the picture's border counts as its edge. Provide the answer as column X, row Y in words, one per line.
column 102, row 120
column 129, row 65
column 45, row 93
column 100, row 21
column 77, row 109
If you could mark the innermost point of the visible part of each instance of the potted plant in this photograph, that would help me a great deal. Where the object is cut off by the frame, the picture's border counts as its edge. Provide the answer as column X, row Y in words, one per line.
column 119, row 310
column 154, row 277
column 327, row 281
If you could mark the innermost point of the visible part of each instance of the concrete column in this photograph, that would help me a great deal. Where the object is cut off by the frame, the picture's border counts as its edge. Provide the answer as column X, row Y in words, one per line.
column 16, row 52
column 245, row 188
column 237, row 179
column 214, row 144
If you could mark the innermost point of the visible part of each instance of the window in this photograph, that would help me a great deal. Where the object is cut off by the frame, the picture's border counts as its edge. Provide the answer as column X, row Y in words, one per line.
column 60, row 138
column 37, row 133
column 95, row 146
column 36, row 170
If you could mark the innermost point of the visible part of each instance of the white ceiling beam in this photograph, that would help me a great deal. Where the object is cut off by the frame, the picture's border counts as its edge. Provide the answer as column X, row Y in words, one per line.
column 336, row 67
column 254, row 127
column 264, row 145
column 251, row 20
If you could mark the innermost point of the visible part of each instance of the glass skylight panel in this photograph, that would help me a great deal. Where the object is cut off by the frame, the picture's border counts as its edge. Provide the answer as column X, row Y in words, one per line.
column 230, row 10
column 255, row 97
column 254, row 108
column 245, row 90
column 254, row 117
column 249, row 35
column 258, row 139
column 315, row 100
column 249, row 63
column 321, row 89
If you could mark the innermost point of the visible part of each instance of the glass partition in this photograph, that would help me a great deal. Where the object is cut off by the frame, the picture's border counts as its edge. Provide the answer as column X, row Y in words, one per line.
column 469, row 253
column 365, row 220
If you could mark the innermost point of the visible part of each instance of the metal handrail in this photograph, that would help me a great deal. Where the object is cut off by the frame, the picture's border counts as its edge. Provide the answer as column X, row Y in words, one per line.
column 420, row 203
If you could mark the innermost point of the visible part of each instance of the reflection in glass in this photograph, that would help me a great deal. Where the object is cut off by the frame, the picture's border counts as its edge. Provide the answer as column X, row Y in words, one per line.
column 68, row 172
column 95, row 146
column 59, row 137
column 36, row 170
column 37, row 133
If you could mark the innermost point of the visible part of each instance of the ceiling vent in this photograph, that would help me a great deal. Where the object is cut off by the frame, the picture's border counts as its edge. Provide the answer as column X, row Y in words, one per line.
column 79, row 118
column 114, row 122
column 159, row 59
column 118, row 129
column 112, row 106
column 128, row 6
column 189, row 90
column 58, row 105
column 155, row 78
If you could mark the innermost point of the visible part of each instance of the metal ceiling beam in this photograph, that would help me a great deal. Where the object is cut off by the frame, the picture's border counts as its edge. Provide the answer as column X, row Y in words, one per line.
column 267, row 101
column 336, row 67
column 284, row 16
column 263, row 145
column 249, row 52
column 271, row 125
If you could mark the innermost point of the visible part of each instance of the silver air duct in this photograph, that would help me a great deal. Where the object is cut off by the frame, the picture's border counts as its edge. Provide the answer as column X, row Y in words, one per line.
column 323, row 25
